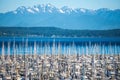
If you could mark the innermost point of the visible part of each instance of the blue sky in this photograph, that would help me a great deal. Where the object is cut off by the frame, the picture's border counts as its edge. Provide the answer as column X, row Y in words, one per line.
column 8, row 5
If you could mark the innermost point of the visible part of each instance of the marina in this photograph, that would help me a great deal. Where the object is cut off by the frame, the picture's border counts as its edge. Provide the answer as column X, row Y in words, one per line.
column 59, row 59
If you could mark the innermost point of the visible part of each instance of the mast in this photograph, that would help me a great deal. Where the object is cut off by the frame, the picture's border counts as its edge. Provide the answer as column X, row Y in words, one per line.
column 26, row 51
column 14, row 52
column 53, row 49
column 45, row 51
column 8, row 57
column 59, row 50
column 103, row 61
column 74, row 51
column 3, row 59
column 93, row 63
column 3, row 52
column 35, row 51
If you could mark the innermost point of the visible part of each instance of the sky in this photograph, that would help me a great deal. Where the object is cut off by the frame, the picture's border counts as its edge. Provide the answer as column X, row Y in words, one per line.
column 9, row 5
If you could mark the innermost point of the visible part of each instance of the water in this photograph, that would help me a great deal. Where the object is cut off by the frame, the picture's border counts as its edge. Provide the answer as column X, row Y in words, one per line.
column 59, row 45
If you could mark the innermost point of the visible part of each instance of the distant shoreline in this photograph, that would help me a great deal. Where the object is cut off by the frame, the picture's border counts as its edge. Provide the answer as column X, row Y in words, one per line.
column 54, row 32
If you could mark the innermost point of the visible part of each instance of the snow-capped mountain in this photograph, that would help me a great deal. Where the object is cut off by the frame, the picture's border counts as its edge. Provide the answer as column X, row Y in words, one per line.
column 47, row 9
column 52, row 9
column 65, row 17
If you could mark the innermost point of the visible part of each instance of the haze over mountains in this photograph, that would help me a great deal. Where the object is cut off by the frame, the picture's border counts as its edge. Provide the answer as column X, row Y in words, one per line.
column 66, row 18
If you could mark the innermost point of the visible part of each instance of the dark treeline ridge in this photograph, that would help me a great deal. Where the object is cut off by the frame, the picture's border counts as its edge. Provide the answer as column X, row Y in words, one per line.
column 56, row 32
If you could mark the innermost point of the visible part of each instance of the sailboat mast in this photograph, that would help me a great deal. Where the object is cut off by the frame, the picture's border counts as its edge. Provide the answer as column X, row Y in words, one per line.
column 3, row 52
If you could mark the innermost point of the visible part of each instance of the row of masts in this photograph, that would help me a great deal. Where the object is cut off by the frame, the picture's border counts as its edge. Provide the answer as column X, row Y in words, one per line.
column 59, row 49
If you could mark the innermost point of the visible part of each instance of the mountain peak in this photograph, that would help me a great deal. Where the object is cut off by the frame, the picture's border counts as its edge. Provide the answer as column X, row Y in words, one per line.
column 20, row 10
column 50, row 5
column 65, row 17
column 35, row 9
column 49, row 8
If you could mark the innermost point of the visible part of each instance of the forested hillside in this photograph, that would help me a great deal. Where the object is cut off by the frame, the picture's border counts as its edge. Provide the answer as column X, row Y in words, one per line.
column 56, row 32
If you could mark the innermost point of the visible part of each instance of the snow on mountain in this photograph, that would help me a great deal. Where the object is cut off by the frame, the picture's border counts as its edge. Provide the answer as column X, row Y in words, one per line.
column 30, row 10
column 36, row 9
column 20, row 9
column 82, row 10
column 15, row 12
column 65, row 17
column 51, row 9
column 61, row 11
column 47, row 8
column 67, row 9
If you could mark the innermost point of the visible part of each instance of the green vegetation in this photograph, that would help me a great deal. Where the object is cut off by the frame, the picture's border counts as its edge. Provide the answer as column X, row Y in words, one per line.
column 56, row 32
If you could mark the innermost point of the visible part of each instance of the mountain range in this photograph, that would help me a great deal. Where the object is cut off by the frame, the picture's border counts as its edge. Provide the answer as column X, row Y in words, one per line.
column 65, row 17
